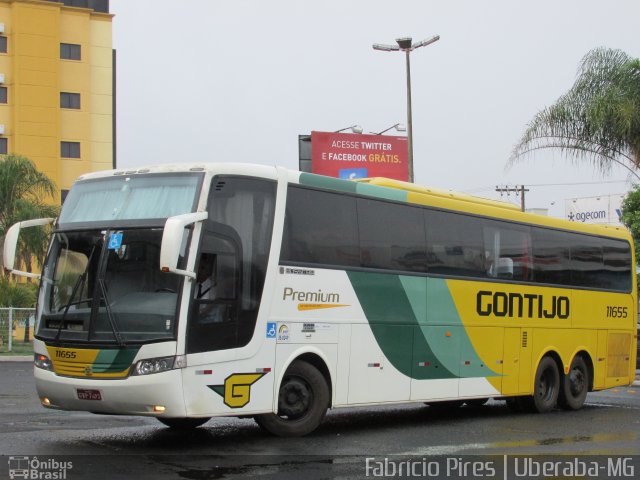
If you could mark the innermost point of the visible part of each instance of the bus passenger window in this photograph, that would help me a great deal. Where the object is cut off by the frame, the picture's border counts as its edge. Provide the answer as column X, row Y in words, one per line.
column 454, row 244
column 507, row 251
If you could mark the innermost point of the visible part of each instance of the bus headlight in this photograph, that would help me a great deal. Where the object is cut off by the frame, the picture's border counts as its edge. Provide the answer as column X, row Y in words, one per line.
column 157, row 365
column 42, row 361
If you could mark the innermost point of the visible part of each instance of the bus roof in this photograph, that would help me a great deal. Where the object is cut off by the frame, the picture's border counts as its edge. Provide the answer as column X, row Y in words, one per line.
column 412, row 187
column 382, row 188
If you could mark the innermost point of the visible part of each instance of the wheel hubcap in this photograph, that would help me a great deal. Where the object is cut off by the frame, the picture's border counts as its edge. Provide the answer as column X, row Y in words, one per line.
column 576, row 381
column 295, row 398
column 545, row 386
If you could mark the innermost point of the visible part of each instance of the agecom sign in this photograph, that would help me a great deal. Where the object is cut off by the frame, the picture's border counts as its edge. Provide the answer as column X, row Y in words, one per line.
column 349, row 155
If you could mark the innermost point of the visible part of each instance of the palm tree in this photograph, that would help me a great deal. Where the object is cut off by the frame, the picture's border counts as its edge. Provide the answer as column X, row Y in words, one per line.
column 597, row 120
column 24, row 192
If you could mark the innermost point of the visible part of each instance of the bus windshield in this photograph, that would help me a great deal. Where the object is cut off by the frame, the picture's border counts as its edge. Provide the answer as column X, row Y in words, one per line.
column 106, row 286
column 138, row 197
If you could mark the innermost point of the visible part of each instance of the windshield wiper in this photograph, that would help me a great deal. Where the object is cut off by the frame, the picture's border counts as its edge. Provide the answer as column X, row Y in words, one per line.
column 112, row 321
column 81, row 279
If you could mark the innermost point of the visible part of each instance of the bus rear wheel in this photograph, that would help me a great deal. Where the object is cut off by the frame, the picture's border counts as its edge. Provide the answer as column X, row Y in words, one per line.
column 302, row 402
column 183, row 423
column 546, row 387
column 575, row 385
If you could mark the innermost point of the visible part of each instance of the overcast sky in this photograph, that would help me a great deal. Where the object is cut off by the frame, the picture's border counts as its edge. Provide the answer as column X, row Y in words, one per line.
column 237, row 81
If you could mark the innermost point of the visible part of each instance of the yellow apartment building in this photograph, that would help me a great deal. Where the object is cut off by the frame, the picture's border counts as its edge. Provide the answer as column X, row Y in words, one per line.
column 57, row 84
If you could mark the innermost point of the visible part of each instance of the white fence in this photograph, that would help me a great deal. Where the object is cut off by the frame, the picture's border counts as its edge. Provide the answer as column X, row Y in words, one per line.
column 13, row 323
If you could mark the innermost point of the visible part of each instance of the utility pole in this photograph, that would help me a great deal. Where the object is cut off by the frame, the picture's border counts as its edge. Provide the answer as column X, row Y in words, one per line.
column 518, row 190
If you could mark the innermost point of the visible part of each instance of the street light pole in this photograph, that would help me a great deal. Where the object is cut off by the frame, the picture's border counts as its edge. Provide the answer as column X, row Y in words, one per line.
column 407, row 46
column 409, row 116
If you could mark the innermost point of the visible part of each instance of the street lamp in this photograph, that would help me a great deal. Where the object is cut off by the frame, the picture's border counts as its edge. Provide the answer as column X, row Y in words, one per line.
column 354, row 129
column 407, row 46
column 398, row 126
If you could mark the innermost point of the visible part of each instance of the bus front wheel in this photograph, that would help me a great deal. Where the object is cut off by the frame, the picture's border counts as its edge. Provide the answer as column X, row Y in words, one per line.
column 575, row 385
column 302, row 402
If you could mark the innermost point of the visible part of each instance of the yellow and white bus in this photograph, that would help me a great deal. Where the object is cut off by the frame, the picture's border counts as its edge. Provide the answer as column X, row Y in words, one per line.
column 324, row 293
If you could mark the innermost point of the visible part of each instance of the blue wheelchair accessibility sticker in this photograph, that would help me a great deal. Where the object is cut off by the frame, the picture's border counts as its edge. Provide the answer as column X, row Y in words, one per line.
column 271, row 329
column 115, row 241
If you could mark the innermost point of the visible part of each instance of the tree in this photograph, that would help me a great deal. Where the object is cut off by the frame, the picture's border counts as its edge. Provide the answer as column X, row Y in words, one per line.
column 17, row 295
column 23, row 194
column 597, row 120
column 631, row 215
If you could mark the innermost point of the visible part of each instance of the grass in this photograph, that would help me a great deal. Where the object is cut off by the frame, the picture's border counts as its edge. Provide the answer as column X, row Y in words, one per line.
column 17, row 348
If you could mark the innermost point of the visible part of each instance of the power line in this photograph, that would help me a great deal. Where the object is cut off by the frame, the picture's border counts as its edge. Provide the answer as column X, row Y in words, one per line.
column 483, row 189
column 576, row 183
column 518, row 190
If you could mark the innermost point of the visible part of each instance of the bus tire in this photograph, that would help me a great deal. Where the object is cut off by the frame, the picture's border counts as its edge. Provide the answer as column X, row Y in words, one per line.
column 546, row 387
column 183, row 423
column 575, row 385
column 302, row 402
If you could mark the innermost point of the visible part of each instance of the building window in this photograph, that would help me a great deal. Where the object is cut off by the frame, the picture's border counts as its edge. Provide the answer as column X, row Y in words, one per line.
column 3, row 94
column 70, row 149
column 69, row 100
column 4, row 147
column 3, row 44
column 70, row 51
column 63, row 196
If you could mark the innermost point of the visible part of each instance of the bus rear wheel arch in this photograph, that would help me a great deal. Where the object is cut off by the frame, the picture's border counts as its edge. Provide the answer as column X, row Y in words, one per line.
column 575, row 384
column 303, row 400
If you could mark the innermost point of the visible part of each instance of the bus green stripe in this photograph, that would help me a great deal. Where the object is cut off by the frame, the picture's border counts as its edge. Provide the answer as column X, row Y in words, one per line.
column 114, row 360
column 396, row 309
column 348, row 186
column 381, row 192
column 390, row 312
column 328, row 183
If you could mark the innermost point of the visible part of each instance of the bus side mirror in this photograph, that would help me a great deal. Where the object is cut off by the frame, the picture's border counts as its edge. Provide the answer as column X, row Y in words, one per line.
column 11, row 244
column 172, row 241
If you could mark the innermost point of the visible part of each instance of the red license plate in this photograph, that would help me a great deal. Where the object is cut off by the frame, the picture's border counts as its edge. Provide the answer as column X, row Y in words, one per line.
column 84, row 394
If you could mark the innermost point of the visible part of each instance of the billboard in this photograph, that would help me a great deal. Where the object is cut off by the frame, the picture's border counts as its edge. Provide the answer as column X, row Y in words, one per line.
column 350, row 155
column 605, row 209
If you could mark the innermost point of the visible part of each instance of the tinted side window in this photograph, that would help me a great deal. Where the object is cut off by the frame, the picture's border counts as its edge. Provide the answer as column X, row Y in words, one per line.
column 320, row 227
column 392, row 236
column 586, row 261
column 551, row 258
column 508, row 251
column 236, row 241
column 454, row 244
column 617, row 265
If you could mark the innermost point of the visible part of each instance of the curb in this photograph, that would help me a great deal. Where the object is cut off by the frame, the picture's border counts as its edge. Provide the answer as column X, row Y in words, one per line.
column 16, row 358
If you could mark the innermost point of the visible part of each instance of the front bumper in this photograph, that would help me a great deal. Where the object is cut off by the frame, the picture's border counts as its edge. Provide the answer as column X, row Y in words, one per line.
column 134, row 395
